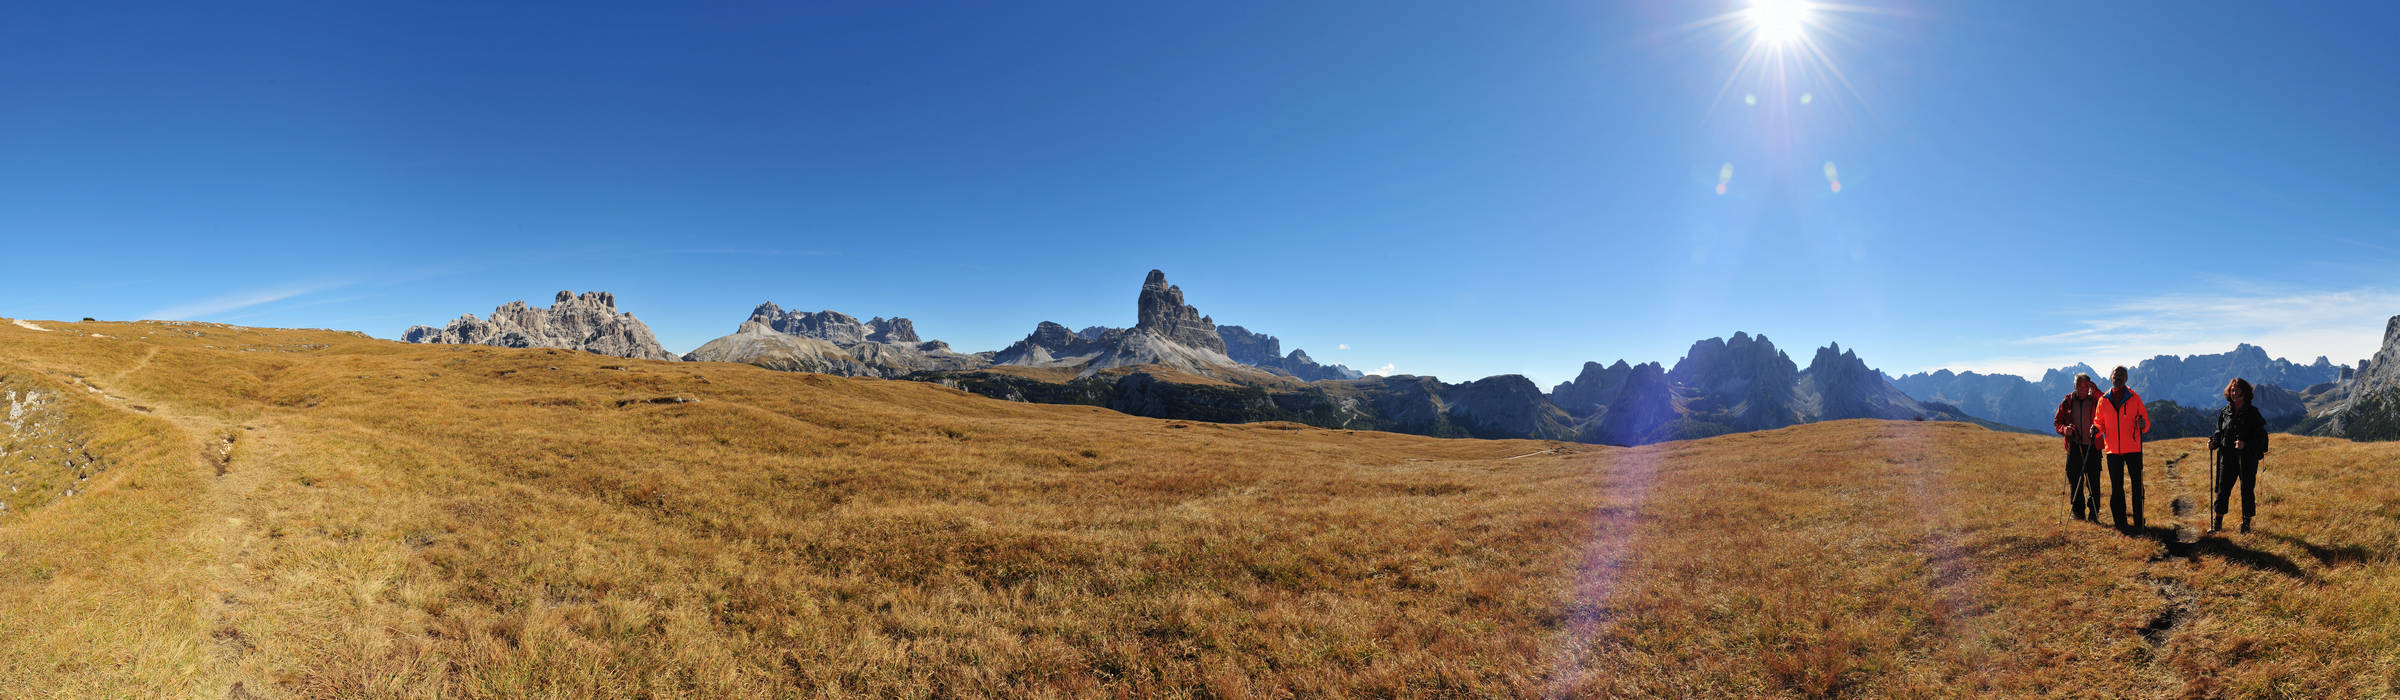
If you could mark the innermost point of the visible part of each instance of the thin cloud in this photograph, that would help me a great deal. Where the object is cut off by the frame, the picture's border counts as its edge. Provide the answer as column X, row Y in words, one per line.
column 238, row 301
column 1341, row 346
column 2342, row 325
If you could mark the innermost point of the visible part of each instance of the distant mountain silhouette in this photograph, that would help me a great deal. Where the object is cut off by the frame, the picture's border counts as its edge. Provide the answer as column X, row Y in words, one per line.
column 2194, row 381
column 1729, row 385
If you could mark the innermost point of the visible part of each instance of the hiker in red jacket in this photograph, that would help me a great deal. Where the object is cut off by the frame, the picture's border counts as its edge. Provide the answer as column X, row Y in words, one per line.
column 2122, row 421
column 2074, row 423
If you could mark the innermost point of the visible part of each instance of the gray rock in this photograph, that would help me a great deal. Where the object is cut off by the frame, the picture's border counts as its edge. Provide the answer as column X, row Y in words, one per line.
column 1052, row 345
column 2366, row 406
column 1167, row 332
column 840, row 328
column 589, row 322
column 831, row 342
column 1265, row 352
column 1161, row 312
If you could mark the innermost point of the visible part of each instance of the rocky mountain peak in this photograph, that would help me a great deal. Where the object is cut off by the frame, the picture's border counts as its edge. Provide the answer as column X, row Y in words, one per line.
column 836, row 327
column 1592, row 389
column 602, row 300
column 589, row 322
column 1160, row 310
column 1051, row 334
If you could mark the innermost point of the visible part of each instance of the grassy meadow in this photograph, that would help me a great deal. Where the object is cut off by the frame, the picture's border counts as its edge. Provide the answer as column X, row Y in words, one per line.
column 297, row 513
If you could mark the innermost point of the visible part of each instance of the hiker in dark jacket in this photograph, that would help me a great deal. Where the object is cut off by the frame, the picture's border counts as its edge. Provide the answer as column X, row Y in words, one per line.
column 2074, row 424
column 2241, row 439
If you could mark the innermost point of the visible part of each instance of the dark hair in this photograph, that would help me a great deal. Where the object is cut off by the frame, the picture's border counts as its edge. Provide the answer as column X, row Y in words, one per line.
column 2115, row 373
column 2241, row 386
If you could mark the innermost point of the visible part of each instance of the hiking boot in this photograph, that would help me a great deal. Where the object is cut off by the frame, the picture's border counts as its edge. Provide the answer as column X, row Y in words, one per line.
column 2140, row 524
column 2219, row 526
column 2245, row 526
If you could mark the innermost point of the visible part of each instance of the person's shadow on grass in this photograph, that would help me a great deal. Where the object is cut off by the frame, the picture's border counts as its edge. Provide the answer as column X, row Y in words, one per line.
column 2216, row 545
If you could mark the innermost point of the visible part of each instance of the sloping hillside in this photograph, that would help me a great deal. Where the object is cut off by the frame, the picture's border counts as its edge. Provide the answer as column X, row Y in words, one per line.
column 273, row 513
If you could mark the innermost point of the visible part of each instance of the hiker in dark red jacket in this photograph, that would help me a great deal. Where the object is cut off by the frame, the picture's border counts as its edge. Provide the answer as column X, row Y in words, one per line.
column 2241, row 439
column 2122, row 422
column 2074, row 424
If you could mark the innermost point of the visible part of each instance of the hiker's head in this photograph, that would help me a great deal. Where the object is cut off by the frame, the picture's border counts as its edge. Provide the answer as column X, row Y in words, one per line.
column 2237, row 392
column 2117, row 376
column 2083, row 382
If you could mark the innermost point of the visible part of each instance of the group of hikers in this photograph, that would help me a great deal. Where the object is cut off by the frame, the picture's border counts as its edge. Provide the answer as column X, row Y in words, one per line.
column 2107, row 427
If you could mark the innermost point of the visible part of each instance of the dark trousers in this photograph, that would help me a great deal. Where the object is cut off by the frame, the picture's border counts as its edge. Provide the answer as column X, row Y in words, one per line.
column 2119, row 466
column 2083, row 481
column 2232, row 467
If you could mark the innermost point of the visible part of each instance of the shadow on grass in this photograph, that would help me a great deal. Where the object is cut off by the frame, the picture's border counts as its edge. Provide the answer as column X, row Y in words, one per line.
column 2255, row 559
column 2332, row 555
column 2208, row 545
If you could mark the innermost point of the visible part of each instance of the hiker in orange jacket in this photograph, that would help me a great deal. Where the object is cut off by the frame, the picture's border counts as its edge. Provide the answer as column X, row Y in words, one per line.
column 2074, row 423
column 2122, row 421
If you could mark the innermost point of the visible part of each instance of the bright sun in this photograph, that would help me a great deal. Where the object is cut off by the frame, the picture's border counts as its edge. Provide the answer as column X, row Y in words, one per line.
column 1778, row 21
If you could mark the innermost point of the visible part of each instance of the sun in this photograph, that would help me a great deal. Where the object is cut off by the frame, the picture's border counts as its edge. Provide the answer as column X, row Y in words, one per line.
column 1778, row 21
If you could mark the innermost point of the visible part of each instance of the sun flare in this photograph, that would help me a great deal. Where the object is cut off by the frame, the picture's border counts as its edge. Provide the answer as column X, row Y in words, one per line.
column 1778, row 21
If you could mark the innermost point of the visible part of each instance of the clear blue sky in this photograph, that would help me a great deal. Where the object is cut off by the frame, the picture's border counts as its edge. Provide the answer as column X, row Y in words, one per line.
column 1458, row 189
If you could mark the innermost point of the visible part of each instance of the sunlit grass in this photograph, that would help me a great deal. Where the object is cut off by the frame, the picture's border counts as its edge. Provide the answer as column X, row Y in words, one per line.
column 408, row 521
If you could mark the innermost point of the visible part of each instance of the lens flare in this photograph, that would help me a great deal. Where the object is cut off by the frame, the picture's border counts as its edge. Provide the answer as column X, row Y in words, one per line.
column 1750, row 99
column 1784, row 49
column 1778, row 21
column 1833, row 176
column 1724, row 175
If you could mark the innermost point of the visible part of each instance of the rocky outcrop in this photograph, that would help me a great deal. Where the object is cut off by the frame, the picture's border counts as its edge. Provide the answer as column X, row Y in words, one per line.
column 1592, row 389
column 2367, row 405
column 1266, row 352
column 1742, row 383
column 1160, row 311
column 1167, row 332
column 589, row 322
column 1507, row 405
column 834, row 326
column 831, row 342
column 1838, row 385
column 1642, row 412
column 1052, row 345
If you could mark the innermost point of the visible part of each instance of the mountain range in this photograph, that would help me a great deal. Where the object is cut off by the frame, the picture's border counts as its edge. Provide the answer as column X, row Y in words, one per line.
column 1175, row 362
column 2191, row 381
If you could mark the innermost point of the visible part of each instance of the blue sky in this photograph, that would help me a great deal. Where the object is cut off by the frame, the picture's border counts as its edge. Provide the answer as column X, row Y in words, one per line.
column 1458, row 189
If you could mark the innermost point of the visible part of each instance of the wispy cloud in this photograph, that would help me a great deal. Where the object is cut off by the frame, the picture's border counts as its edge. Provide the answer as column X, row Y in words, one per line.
column 2343, row 325
column 1385, row 371
column 1341, row 346
column 239, row 300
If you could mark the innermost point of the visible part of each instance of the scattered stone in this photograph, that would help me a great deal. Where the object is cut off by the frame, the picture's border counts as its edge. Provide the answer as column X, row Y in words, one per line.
column 658, row 400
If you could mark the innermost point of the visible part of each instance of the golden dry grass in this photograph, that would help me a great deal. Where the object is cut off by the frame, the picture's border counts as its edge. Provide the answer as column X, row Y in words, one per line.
column 317, row 514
